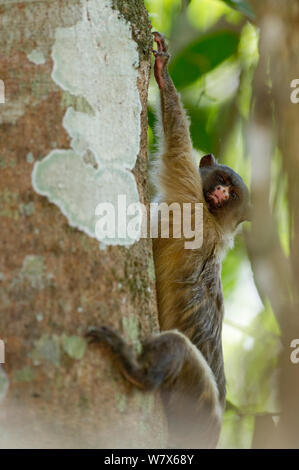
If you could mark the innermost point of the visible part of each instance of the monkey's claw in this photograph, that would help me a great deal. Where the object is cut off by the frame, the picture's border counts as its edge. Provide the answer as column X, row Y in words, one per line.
column 96, row 335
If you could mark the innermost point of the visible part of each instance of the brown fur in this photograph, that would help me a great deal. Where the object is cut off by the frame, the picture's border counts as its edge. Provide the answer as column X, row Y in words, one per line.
column 185, row 361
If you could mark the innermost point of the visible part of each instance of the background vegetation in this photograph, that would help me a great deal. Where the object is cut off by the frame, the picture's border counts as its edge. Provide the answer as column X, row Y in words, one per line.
column 214, row 45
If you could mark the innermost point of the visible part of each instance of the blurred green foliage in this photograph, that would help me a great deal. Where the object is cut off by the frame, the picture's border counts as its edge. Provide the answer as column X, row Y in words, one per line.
column 202, row 56
column 241, row 6
column 214, row 49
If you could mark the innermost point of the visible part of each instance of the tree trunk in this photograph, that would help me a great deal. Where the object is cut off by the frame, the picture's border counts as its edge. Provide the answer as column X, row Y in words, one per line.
column 73, row 135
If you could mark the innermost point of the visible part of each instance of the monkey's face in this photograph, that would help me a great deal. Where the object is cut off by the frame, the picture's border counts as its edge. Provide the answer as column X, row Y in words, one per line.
column 225, row 193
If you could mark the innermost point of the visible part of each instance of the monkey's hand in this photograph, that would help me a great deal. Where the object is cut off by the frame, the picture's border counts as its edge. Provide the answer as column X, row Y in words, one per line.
column 161, row 59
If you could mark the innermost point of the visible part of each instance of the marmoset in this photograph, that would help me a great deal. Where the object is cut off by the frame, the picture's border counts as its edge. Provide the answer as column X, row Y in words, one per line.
column 185, row 360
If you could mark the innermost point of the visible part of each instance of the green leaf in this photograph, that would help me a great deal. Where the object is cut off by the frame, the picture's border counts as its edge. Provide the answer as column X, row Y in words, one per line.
column 200, row 137
column 241, row 6
column 207, row 129
column 202, row 56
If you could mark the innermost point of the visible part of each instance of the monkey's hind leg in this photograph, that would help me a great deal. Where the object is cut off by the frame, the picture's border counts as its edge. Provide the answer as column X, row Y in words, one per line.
column 160, row 361
column 170, row 361
column 124, row 353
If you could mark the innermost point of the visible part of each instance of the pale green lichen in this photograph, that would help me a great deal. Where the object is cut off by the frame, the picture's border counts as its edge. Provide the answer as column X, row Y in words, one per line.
column 2, row 92
column 39, row 87
column 131, row 329
column 9, row 213
column 29, row 158
column 8, row 204
column 37, row 57
column 4, row 384
column 121, row 402
column 146, row 404
column 151, row 270
column 79, row 103
column 39, row 316
column 7, row 162
column 79, row 197
column 33, row 270
column 47, row 348
column 27, row 374
column 73, row 346
column 95, row 60
column 144, row 426
column 7, row 196
column 27, row 209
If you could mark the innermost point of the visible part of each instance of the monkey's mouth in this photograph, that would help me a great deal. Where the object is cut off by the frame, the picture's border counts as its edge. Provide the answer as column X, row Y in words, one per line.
column 213, row 200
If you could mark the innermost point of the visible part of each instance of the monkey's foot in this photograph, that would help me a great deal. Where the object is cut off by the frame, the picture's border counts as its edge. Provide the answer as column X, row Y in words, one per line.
column 124, row 353
column 161, row 59
column 106, row 335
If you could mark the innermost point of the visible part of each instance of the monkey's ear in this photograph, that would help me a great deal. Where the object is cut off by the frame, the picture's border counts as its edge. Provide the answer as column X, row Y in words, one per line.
column 207, row 160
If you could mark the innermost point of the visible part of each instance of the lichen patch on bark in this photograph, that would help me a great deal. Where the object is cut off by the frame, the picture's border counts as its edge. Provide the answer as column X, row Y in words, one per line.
column 96, row 59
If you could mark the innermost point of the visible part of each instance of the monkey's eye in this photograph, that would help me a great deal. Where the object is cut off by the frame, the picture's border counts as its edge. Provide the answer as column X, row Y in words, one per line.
column 234, row 195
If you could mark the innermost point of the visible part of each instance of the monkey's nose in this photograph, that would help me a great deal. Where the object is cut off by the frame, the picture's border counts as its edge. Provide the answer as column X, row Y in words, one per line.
column 222, row 193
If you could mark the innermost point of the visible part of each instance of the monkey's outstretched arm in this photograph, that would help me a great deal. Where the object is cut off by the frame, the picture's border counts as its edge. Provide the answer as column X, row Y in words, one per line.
column 170, row 362
column 174, row 119
column 178, row 163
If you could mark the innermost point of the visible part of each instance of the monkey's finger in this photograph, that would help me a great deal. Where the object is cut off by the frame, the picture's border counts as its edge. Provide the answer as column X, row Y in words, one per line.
column 160, row 40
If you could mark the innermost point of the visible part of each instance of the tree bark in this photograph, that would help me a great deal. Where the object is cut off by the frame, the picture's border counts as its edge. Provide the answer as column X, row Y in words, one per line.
column 73, row 134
